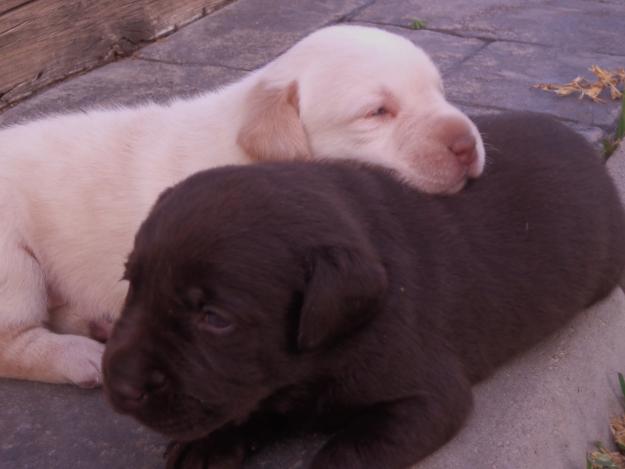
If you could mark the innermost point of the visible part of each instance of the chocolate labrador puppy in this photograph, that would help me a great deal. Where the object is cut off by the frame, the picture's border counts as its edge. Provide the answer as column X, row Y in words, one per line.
column 334, row 293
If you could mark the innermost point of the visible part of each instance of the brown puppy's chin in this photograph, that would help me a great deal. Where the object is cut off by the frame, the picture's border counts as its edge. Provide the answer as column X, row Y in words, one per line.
column 188, row 418
column 183, row 418
column 182, row 430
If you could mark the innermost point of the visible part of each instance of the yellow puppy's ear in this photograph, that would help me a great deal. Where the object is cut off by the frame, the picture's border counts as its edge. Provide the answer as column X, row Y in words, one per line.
column 272, row 129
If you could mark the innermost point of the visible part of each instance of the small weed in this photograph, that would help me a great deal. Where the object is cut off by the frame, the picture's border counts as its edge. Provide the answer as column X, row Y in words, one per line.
column 620, row 133
column 617, row 427
column 417, row 24
column 610, row 144
column 602, row 458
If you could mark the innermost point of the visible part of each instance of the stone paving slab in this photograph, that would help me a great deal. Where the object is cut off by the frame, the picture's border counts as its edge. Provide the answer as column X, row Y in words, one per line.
column 137, row 80
column 478, row 74
column 447, row 51
column 248, row 34
column 450, row 15
column 46, row 426
column 571, row 25
column 593, row 134
column 529, row 42
column 502, row 74
column 127, row 82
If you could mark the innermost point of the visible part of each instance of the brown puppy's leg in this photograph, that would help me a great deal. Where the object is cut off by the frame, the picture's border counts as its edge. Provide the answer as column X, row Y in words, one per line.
column 394, row 435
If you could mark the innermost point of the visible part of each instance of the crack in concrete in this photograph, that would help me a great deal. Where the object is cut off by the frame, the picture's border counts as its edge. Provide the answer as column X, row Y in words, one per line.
column 191, row 64
column 452, row 32
column 465, row 59
column 350, row 15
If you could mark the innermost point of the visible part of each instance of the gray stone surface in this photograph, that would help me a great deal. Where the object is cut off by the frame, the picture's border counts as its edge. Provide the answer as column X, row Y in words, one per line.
column 502, row 74
column 570, row 26
column 248, row 34
column 46, row 426
column 127, row 82
column 446, row 51
column 594, row 135
column 544, row 409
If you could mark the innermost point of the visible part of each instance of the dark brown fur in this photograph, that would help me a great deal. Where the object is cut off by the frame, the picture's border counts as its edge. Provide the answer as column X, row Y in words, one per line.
column 319, row 291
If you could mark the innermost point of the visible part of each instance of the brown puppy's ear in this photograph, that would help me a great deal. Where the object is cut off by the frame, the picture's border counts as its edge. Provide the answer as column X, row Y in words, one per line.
column 344, row 291
column 272, row 129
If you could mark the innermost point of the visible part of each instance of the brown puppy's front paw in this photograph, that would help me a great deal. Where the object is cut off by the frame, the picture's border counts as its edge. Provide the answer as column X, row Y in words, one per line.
column 202, row 454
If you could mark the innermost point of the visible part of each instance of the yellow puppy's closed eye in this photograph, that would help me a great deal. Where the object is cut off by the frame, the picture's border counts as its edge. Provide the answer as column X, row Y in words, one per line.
column 378, row 112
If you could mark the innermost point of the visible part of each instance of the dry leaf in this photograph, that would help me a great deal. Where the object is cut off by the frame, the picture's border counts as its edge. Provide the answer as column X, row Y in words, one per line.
column 617, row 425
column 605, row 79
column 604, row 459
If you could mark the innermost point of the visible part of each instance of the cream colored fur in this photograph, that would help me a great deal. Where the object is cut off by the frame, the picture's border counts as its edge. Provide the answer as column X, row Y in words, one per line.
column 74, row 188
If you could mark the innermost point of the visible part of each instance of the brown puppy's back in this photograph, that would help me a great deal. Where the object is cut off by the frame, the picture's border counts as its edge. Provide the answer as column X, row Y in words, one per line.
column 489, row 271
column 544, row 237
column 498, row 267
column 355, row 295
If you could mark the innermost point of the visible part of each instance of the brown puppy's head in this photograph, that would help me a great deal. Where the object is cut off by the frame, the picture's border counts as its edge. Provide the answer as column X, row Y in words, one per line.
column 235, row 289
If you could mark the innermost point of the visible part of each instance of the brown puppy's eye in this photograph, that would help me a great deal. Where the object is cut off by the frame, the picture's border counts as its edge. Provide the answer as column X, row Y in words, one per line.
column 213, row 320
column 379, row 112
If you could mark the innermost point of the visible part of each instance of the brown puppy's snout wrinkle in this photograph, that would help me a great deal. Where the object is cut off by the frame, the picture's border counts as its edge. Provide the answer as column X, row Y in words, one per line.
column 131, row 380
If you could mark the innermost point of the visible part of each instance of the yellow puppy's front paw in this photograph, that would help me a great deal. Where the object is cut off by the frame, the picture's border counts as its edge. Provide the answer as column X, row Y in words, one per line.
column 81, row 361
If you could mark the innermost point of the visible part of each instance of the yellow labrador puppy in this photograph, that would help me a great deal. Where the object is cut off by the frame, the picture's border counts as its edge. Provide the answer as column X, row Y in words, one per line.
column 74, row 188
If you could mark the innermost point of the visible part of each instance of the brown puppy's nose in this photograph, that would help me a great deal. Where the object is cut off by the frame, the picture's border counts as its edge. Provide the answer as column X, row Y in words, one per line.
column 464, row 148
column 130, row 385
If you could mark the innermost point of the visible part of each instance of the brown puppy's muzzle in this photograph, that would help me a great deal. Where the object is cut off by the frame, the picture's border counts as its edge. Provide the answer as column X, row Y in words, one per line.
column 131, row 379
